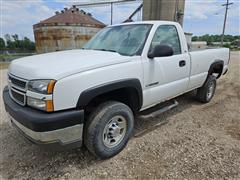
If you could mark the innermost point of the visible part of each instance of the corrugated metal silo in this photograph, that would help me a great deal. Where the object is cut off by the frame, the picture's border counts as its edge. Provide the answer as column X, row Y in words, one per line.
column 68, row 29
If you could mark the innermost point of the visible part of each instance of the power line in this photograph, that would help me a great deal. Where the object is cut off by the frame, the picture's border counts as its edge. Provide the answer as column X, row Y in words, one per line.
column 106, row 2
column 225, row 19
column 103, row 3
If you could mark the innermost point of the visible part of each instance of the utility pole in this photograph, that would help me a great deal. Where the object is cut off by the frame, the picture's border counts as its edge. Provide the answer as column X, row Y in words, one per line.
column 225, row 19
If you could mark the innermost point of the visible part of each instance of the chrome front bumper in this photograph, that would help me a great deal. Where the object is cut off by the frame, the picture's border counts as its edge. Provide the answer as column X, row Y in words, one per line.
column 62, row 136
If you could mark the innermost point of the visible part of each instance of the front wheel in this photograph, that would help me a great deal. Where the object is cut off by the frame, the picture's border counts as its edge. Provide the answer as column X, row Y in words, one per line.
column 108, row 129
column 207, row 91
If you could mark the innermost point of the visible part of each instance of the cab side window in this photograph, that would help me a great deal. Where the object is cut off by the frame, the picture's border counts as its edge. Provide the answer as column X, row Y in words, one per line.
column 167, row 35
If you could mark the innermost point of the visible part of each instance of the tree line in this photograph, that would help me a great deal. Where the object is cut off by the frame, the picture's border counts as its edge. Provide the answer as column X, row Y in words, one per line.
column 12, row 42
column 216, row 38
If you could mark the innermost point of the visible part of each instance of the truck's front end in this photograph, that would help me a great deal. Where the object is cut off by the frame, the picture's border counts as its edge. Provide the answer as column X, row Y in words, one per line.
column 30, row 106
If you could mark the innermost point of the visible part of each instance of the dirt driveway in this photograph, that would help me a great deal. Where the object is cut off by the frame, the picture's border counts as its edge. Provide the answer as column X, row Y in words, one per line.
column 196, row 141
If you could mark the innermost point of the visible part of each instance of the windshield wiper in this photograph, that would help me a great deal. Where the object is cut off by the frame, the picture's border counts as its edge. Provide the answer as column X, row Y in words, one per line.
column 110, row 50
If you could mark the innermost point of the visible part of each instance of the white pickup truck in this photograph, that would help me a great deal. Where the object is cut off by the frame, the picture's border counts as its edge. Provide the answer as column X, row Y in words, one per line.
column 90, row 96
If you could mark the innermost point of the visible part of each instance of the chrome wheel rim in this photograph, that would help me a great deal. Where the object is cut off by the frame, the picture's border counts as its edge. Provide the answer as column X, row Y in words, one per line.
column 210, row 90
column 114, row 131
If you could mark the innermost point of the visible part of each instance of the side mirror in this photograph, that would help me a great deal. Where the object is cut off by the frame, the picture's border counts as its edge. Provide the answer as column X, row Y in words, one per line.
column 161, row 51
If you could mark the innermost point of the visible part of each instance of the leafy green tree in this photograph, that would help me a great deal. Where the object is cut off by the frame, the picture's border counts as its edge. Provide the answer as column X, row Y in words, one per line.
column 14, row 43
column 15, row 37
column 7, row 37
column 2, row 43
column 215, row 38
column 28, row 44
column 227, row 46
column 9, row 43
column 194, row 38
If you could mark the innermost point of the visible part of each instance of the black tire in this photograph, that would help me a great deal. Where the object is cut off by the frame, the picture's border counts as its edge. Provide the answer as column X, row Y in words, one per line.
column 203, row 94
column 98, row 121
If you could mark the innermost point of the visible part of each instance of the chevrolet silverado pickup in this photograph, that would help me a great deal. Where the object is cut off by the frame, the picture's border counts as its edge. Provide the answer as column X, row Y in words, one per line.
column 90, row 96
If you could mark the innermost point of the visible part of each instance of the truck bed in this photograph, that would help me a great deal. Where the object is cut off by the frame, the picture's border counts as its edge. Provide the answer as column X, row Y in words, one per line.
column 201, row 60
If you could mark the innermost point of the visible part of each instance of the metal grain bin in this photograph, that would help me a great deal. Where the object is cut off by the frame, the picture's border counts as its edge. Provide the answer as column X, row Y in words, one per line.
column 68, row 29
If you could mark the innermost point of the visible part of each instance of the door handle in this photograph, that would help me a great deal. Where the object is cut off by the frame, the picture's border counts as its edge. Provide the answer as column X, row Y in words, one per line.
column 182, row 63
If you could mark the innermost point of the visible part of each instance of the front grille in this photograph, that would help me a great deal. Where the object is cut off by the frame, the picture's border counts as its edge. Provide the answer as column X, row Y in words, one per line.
column 17, row 89
column 17, row 82
column 17, row 96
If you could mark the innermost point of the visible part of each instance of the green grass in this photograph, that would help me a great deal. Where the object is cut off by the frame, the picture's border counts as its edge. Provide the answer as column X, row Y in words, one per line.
column 238, row 49
column 12, row 56
column 8, row 57
column 4, row 65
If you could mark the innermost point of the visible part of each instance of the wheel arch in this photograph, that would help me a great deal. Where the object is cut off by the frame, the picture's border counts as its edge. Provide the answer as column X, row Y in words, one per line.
column 128, row 91
column 216, row 67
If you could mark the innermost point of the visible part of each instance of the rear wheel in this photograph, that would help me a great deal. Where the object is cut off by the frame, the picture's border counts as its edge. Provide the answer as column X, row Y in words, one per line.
column 108, row 129
column 207, row 91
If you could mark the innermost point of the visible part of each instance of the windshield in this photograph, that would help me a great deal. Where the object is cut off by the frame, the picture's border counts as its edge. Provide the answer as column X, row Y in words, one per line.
column 125, row 39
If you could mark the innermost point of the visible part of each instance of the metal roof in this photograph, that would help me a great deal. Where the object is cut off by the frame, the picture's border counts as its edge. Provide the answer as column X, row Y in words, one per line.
column 71, row 17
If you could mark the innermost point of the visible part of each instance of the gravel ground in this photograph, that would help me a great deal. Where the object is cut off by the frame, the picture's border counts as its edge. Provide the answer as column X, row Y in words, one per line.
column 195, row 141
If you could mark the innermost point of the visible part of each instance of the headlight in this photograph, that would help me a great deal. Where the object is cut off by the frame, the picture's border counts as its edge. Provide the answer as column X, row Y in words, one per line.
column 42, row 86
column 45, row 105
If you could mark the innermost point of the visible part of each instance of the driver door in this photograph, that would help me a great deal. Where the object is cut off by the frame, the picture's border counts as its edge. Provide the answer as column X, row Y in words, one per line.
column 166, row 77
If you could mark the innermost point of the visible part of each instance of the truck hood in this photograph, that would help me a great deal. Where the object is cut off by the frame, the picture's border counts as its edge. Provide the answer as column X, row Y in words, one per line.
column 62, row 64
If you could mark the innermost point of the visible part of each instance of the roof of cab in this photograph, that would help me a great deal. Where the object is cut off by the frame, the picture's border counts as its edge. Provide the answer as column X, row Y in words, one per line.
column 146, row 22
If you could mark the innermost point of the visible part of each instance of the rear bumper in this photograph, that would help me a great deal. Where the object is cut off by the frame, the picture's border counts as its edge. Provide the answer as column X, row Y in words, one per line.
column 58, row 128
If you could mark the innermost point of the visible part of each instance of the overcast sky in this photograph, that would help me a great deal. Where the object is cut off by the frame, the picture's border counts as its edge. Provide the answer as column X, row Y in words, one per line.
column 201, row 16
